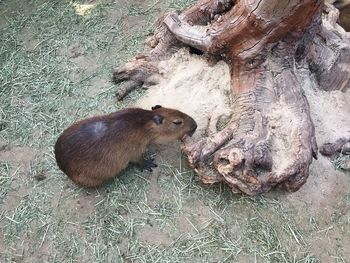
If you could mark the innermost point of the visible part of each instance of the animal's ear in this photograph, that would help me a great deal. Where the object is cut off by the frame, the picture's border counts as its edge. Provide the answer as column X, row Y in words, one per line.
column 156, row 107
column 158, row 119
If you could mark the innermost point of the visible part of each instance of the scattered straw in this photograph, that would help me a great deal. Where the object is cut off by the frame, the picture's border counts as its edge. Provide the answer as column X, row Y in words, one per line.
column 55, row 68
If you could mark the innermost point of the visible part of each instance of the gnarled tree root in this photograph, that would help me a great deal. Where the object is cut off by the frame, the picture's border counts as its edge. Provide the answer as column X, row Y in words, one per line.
column 144, row 68
column 269, row 142
column 342, row 145
column 249, row 154
column 270, row 139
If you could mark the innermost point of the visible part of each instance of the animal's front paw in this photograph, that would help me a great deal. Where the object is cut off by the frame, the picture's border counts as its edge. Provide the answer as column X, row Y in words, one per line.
column 148, row 164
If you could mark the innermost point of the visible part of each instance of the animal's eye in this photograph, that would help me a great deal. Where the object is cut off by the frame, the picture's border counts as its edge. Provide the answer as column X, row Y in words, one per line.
column 177, row 122
column 156, row 107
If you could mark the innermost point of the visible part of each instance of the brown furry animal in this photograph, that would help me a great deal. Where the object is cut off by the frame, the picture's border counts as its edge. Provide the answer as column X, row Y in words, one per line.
column 97, row 149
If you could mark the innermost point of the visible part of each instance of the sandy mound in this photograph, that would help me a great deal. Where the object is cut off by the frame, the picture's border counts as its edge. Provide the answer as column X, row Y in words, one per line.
column 192, row 86
column 200, row 90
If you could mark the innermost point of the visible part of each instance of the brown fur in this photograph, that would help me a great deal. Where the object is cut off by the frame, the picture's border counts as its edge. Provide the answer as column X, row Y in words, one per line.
column 96, row 149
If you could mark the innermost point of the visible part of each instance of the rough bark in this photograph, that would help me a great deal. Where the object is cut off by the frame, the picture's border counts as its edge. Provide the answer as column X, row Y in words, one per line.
column 143, row 69
column 344, row 14
column 268, row 44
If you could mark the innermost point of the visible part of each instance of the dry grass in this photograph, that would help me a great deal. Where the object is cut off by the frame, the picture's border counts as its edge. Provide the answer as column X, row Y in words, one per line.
column 44, row 88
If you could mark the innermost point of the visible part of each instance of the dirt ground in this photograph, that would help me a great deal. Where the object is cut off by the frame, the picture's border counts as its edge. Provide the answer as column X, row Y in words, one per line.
column 56, row 59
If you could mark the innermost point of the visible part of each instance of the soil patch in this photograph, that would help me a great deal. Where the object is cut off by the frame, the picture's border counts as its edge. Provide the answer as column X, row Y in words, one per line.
column 154, row 236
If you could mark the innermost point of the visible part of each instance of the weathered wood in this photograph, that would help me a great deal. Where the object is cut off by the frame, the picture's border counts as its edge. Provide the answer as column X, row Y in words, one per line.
column 329, row 54
column 269, row 45
column 344, row 13
column 163, row 43
column 341, row 145
column 245, row 36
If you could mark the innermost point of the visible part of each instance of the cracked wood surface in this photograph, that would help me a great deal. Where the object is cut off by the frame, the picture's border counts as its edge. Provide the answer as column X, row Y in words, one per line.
column 270, row 45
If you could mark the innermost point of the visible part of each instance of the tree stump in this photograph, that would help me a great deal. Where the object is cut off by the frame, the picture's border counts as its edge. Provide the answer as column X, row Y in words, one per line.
column 270, row 46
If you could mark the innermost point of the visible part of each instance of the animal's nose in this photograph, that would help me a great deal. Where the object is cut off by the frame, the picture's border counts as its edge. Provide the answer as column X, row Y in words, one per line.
column 194, row 126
